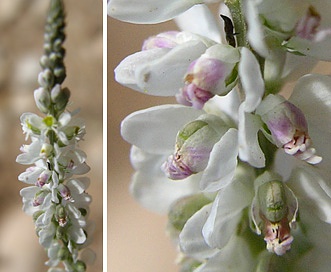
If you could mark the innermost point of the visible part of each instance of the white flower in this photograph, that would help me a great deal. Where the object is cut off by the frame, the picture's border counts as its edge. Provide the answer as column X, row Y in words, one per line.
column 286, row 24
column 150, row 11
column 160, row 71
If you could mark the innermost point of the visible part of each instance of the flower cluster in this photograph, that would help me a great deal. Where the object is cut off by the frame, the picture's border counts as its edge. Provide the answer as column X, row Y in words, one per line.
column 242, row 172
column 56, row 198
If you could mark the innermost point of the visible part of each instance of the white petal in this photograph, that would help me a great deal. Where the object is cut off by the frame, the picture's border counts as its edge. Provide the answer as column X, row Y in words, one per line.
column 227, row 209
column 255, row 32
column 251, row 79
column 319, row 50
column 165, row 76
column 206, row 25
column 297, row 66
column 125, row 71
column 236, row 256
column 32, row 154
column 312, row 94
column 222, row 163
column 191, row 240
column 155, row 129
column 157, row 193
column 64, row 118
column 249, row 148
column 77, row 235
column 310, row 188
column 31, row 175
column 148, row 11
column 147, row 162
column 228, row 104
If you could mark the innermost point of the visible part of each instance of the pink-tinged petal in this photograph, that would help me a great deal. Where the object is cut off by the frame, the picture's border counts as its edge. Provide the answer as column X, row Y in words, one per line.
column 157, row 193
column 165, row 76
column 125, row 71
column 191, row 241
column 155, row 129
column 251, row 79
column 222, row 163
column 205, row 26
column 249, row 148
column 148, row 11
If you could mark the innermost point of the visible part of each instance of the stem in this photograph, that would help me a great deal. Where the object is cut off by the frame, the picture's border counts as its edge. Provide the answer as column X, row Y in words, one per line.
column 235, row 7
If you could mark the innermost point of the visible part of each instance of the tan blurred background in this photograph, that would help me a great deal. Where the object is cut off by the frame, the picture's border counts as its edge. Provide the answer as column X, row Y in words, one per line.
column 137, row 239
column 21, row 45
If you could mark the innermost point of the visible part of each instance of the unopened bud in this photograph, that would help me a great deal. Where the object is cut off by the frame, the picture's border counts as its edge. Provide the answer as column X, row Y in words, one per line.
column 60, row 97
column 43, row 178
column 39, row 198
column 46, row 78
column 63, row 254
column 213, row 73
column 42, row 99
column 288, row 127
column 193, row 146
column 64, row 191
column 80, row 266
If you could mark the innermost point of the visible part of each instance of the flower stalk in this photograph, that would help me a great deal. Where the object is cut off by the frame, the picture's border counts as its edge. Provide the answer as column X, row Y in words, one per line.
column 56, row 198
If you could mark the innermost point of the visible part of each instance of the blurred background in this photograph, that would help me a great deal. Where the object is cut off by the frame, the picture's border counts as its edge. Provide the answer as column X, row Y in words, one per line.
column 137, row 238
column 21, row 46
column 137, row 241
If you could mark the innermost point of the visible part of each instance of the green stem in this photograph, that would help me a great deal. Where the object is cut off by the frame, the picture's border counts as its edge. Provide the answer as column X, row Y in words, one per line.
column 235, row 7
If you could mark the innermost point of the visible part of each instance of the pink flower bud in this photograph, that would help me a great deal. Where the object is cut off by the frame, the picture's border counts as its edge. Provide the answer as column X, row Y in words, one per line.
column 193, row 146
column 213, row 73
column 288, row 127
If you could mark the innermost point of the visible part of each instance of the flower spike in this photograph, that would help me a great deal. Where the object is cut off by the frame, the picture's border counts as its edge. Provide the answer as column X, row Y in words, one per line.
column 56, row 198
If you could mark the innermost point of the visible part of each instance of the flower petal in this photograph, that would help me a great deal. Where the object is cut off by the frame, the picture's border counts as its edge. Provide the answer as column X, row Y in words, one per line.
column 227, row 209
column 157, row 193
column 319, row 50
column 310, row 187
column 205, row 26
column 148, row 11
column 249, row 148
column 125, row 71
column 312, row 94
column 147, row 162
column 191, row 241
column 155, row 129
column 222, row 163
column 224, row 259
column 255, row 32
column 165, row 76
column 251, row 79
